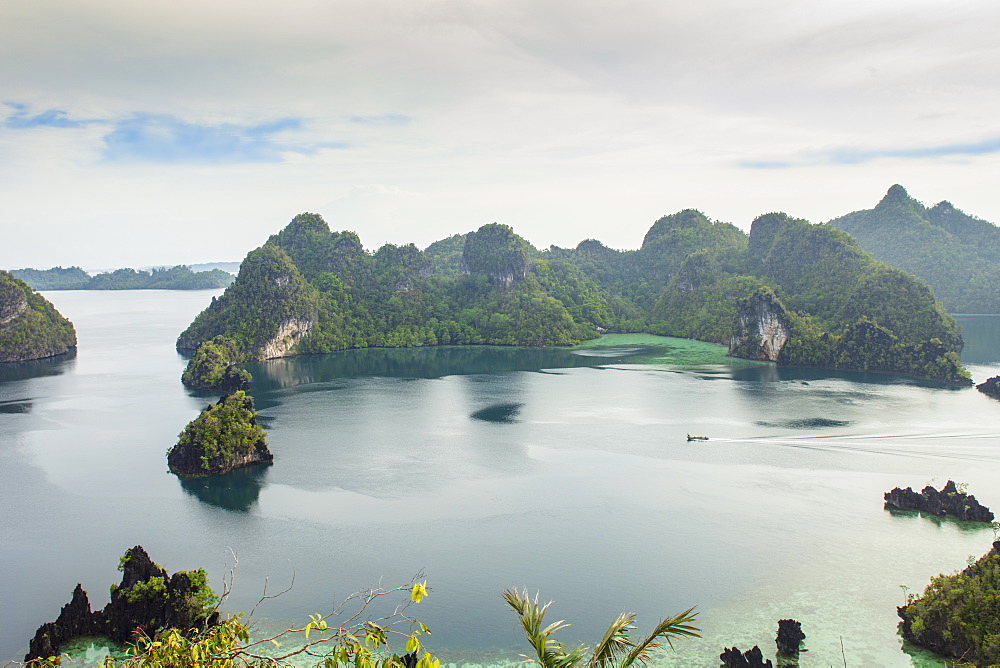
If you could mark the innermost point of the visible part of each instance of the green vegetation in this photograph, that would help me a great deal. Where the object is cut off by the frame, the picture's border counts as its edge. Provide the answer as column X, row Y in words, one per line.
column 30, row 327
column 310, row 290
column 75, row 278
column 615, row 648
column 213, row 367
column 953, row 252
column 959, row 615
column 225, row 436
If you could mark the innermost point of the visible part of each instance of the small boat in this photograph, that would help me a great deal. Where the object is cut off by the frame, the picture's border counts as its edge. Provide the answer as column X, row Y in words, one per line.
column 697, row 438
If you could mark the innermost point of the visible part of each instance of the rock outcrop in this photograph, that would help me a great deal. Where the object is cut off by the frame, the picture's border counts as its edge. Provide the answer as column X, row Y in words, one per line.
column 762, row 327
column 731, row 657
column 949, row 502
column 147, row 599
column 956, row 615
column 990, row 387
column 224, row 437
column 789, row 638
column 290, row 332
column 30, row 327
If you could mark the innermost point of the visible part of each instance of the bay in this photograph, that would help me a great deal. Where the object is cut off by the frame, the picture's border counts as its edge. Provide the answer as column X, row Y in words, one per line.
column 563, row 471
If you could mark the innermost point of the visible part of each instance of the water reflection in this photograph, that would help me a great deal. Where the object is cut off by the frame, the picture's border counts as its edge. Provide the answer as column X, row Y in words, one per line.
column 429, row 362
column 50, row 366
column 237, row 490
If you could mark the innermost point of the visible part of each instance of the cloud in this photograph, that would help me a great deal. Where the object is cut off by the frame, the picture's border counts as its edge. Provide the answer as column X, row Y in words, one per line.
column 855, row 156
column 53, row 118
column 384, row 119
column 166, row 139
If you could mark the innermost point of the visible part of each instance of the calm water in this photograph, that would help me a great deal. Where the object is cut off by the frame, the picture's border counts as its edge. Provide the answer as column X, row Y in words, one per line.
column 563, row 471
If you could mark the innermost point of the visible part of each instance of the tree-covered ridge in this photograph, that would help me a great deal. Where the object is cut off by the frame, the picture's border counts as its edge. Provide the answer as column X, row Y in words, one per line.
column 30, row 327
column 213, row 367
column 959, row 615
column 955, row 253
column 75, row 278
column 842, row 308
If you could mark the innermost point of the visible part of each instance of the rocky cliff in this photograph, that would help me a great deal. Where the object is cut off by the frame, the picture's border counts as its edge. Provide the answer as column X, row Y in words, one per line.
column 762, row 328
column 30, row 327
column 948, row 502
column 224, row 437
column 147, row 599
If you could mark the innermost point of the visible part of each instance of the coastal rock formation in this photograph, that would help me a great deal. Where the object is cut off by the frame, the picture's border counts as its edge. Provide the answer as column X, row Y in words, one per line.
column 147, row 599
column 990, row 387
column 789, row 637
column 762, row 327
column 496, row 251
column 731, row 657
column 947, row 502
column 30, row 327
column 956, row 615
column 224, row 437
column 290, row 332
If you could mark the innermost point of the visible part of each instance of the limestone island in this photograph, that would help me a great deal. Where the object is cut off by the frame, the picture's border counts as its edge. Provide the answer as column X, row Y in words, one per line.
column 949, row 502
column 224, row 437
column 956, row 616
column 147, row 600
column 30, row 326
column 990, row 387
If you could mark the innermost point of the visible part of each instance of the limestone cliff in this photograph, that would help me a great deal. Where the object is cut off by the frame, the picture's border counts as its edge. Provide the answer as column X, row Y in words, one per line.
column 290, row 332
column 147, row 599
column 762, row 327
column 30, row 327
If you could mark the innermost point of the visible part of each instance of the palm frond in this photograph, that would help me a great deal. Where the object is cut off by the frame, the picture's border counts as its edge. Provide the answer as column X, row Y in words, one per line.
column 550, row 652
column 676, row 627
column 615, row 641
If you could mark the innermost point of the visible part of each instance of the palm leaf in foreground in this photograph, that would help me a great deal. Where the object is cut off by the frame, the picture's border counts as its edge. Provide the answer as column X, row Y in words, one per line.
column 615, row 648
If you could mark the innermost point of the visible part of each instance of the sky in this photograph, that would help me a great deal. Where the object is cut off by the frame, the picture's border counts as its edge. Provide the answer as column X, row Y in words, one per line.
column 155, row 132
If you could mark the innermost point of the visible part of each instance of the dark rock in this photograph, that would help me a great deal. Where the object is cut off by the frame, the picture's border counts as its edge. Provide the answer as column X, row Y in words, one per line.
column 990, row 387
column 159, row 601
column 752, row 658
column 948, row 502
column 790, row 636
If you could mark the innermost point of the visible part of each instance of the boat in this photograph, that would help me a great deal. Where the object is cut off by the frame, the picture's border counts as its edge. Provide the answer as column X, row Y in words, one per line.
column 697, row 438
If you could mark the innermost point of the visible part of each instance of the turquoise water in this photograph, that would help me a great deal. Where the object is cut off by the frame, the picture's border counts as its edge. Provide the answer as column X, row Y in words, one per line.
column 565, row 471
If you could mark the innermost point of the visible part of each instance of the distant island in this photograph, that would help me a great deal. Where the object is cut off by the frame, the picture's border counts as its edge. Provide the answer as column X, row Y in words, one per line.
column 791, row 292
column 74, row 278
column 955, row 253
column 30, row 327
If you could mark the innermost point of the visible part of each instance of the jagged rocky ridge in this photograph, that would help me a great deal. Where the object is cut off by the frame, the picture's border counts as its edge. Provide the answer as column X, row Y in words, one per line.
column 790, row 292
column 731, row 657
column 30, row 327
column 147, row 599
column 789, row 638
column 224, row 437
column 948, row 502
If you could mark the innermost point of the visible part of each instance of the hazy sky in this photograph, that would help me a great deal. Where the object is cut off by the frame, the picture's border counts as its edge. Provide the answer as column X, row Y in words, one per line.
column 155, row 132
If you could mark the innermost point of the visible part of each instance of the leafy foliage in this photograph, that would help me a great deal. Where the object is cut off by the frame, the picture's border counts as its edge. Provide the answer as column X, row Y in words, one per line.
column 224, row 435
column 213, row 367
column 615, row 648
column 958, row 615
column 30, row 327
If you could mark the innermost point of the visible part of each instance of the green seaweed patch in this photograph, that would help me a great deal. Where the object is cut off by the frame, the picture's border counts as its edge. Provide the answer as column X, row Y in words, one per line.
column 672, row 351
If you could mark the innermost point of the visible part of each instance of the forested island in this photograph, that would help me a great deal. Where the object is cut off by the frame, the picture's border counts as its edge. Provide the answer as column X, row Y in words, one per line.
column 792, row 292
column 955, row 253
column 74, row 278
column 225, row 436
column 30, row 327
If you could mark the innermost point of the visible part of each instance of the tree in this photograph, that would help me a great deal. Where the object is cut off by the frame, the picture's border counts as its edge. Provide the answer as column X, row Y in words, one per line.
column 615, row 647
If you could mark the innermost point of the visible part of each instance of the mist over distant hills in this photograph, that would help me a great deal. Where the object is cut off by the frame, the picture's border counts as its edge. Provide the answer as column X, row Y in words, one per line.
column 956, row 254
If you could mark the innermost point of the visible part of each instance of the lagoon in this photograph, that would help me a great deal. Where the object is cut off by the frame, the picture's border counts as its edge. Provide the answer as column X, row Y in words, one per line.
column 565, row 471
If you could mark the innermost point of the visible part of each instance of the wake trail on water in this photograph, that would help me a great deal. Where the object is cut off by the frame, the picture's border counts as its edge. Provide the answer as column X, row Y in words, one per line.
column 882, row 445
